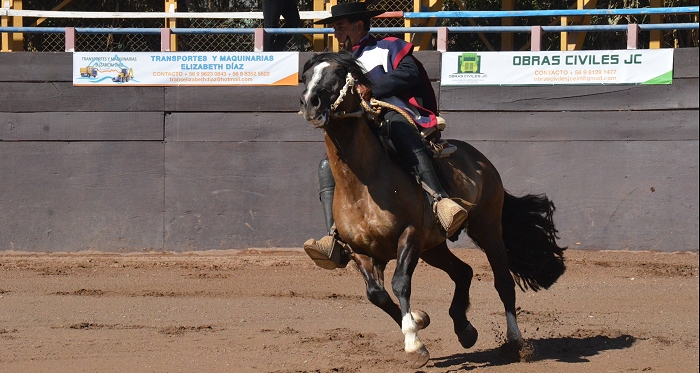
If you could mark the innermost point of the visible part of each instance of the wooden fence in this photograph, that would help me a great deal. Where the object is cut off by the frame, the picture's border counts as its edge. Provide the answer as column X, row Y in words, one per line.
column 197, row 168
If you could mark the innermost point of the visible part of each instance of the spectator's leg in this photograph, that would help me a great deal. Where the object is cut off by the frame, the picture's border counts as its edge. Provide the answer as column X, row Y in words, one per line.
column 272, row 10
column 290, row 12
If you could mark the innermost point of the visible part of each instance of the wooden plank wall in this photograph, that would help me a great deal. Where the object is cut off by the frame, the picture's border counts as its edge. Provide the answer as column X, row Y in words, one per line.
column 619, row 162
column 195, row 168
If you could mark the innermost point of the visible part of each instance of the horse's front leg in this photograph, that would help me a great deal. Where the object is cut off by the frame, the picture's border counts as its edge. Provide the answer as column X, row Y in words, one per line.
column 373, row 273
column 408, row 254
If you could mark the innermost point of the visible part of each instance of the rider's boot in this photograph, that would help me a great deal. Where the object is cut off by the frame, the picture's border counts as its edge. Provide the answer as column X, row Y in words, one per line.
column 322, row 252
column 450, row 214
column 329, row 251
column 411, row 147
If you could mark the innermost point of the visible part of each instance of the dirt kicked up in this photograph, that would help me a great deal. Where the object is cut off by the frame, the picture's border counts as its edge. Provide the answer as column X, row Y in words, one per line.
column 274, row 311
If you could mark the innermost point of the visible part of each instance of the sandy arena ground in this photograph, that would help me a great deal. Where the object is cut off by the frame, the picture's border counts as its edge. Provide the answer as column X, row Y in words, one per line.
column 274, row 311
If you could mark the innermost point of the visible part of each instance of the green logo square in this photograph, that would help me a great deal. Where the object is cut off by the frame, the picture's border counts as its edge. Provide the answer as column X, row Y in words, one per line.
column 469, row 63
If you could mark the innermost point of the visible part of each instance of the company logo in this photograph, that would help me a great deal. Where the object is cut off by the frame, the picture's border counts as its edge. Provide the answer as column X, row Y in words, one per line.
column 103, row 68
column 469, row 63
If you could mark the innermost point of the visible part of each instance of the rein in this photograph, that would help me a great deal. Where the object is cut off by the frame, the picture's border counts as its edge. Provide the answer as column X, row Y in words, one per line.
column 374, row 107
column 349, row 85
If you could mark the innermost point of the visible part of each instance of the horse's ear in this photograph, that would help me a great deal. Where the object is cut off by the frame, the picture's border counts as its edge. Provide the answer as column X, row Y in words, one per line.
column 310, row 62
column 347, row 45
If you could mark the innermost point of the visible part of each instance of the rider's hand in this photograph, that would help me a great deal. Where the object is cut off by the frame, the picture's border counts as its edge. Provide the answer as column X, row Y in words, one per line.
column 364, row 91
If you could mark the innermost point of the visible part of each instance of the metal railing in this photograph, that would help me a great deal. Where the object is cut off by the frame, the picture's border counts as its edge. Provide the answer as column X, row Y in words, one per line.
column 397, row 14
column 552, row 13
column 442, row 32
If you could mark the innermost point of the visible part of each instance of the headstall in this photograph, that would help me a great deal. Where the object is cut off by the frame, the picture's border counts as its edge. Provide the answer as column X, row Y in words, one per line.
column 349, row 84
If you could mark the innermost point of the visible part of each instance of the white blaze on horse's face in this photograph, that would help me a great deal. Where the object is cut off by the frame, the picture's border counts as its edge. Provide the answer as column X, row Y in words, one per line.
column 316, row 119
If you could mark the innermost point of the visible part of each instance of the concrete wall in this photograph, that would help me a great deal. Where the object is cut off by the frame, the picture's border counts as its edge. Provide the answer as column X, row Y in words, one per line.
column 197, row 168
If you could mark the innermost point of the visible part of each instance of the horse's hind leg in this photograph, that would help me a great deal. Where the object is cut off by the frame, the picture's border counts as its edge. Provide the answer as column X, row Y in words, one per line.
column 461, row 273
column 486, row 233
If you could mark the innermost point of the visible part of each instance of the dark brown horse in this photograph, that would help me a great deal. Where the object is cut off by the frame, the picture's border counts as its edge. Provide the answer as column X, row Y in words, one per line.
column 383, row 214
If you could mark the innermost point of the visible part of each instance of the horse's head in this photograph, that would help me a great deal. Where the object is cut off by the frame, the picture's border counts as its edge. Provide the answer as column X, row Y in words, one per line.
column 330, row 79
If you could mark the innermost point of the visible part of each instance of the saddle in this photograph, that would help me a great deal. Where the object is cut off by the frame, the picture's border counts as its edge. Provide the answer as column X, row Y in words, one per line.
column 440, row 148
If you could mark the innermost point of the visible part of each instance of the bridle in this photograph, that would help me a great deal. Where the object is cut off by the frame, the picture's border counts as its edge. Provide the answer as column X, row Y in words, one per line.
column 334, row 113
column 348, row 87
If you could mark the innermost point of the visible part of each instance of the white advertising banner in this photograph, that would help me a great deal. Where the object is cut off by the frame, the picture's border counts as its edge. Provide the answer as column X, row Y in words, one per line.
column 185, row 68
column 649, row 66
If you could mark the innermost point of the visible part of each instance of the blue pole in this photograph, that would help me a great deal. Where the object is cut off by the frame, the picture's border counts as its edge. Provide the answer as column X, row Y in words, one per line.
column 552, row 13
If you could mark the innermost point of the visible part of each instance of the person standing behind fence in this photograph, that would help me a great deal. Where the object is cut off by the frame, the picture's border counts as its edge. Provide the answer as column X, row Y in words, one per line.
column 272, row 10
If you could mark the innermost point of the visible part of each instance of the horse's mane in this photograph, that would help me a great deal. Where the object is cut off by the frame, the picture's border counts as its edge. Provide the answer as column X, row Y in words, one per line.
column 344, row 59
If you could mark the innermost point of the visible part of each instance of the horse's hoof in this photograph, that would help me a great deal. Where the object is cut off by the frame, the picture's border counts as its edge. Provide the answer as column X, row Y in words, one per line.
column 515, row 344
column 517, row 350
column 418, row 358
column 421, row 318
column 467, row 336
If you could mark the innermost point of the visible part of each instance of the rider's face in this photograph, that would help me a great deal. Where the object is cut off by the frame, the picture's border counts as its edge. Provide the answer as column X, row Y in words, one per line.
column 343, row 29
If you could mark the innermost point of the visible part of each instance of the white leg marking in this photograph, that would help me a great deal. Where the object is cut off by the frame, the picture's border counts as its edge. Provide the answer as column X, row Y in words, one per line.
column 410, row 332
column 318, row 73
column 513, row 333
column 421, row 318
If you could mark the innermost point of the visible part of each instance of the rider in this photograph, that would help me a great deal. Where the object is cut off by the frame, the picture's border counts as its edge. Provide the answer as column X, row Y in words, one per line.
column 399, row 79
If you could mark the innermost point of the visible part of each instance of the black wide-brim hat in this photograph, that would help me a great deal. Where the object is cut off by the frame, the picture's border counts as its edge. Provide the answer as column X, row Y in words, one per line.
column 349, row 10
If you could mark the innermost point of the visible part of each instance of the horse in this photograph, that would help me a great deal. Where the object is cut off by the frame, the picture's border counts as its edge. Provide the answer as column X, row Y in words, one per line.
column 383, row 214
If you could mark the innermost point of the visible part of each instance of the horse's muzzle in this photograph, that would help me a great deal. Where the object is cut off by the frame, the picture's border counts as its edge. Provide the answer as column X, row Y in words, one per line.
column 312, row 112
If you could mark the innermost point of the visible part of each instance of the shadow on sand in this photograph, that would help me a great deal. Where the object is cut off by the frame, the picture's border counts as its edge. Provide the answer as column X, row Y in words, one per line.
column 565, row 349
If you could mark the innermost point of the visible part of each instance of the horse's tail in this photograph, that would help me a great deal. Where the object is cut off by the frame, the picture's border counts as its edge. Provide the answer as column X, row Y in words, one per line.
column 529, row 234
